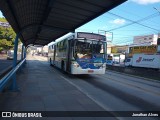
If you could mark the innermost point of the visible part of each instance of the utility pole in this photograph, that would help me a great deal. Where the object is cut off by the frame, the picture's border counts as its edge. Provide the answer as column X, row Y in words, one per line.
column 157, row 9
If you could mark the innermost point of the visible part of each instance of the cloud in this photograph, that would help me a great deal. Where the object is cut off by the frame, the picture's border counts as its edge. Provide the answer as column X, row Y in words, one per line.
column 145, row 2
column 118, row 21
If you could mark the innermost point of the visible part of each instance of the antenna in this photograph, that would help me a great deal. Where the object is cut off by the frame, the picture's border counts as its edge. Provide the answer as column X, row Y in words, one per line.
column 109, row 35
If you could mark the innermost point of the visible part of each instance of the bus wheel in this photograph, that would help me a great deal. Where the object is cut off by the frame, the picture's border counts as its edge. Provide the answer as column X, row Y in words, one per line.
column 62, row 66
column 50, row 62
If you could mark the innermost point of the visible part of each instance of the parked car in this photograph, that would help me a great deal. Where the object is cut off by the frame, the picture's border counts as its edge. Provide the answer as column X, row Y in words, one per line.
column 45, row 54
column 115, row 63
column 10, row 55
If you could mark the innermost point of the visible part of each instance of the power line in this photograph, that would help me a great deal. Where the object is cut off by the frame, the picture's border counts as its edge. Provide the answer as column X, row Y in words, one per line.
column 133, row 22
column 131, row 13
column 156, row 9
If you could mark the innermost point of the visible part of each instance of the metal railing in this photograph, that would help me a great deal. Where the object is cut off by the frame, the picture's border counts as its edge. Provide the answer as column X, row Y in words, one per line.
column 9, row 75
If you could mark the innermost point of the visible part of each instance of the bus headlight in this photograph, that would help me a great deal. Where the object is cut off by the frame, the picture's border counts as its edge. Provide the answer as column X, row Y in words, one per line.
column 75, row 65
column 103, row 66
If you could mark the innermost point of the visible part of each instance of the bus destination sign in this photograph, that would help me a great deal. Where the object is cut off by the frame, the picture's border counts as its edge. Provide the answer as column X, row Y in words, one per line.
column 91, row 36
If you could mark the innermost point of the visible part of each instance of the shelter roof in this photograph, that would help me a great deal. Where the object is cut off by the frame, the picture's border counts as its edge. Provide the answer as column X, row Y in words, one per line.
column 40, row 22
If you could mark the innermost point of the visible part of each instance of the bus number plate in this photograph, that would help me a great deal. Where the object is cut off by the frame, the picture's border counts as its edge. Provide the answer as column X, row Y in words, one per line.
column 90, row 71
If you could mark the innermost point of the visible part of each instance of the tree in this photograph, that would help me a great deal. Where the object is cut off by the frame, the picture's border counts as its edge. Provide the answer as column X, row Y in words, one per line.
column 7, row 36
column 3, row 19
column 6, row 44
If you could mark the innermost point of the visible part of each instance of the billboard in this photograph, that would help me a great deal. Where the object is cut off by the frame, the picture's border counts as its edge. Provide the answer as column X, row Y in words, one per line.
column 118, row 49
column 142, row 49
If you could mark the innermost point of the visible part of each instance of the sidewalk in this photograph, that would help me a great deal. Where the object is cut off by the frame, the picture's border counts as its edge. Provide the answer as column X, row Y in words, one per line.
column 41, row 89
column 3, row 56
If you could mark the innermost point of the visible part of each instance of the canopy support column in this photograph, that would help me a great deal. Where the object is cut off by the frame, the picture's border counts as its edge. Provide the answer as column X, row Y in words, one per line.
column 14, row 86
column 22, row 53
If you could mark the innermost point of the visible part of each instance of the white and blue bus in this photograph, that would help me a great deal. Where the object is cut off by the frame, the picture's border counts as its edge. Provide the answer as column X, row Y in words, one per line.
column 79, row 53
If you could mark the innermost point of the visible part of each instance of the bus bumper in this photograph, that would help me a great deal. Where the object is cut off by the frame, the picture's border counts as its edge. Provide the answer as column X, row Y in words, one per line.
column 79, row 70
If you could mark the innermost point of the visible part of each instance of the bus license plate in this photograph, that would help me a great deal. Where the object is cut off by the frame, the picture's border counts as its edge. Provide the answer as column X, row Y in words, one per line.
column 90, row 71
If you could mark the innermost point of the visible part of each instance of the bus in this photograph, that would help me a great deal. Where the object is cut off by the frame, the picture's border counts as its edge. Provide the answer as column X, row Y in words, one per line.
column 79, row 53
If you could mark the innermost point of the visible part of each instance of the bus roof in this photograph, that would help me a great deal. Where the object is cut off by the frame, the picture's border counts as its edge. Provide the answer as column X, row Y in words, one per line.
column 80, row 35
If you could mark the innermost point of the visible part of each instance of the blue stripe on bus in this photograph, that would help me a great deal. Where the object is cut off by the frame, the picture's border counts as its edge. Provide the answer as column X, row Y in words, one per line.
column 89, row 63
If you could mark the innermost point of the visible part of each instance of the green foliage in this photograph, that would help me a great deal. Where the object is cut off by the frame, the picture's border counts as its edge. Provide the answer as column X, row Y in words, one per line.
column 6, row 44
column 7, row 36
column 3, row 19
column 1, row 49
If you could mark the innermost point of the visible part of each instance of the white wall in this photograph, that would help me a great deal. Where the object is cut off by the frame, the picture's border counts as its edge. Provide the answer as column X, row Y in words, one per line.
column 146, row 39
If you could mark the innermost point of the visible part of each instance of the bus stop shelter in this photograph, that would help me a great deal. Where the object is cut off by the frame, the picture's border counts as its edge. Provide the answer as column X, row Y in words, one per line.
column 39, row 22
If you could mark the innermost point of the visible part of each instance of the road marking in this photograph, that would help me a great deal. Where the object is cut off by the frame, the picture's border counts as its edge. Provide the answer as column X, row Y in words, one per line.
column 89, row 96
column 84, row 92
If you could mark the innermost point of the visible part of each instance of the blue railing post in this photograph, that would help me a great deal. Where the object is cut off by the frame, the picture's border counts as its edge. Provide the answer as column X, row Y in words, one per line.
column 22, row 53
column 25, row 50
column 14, row 86
column 25, row 53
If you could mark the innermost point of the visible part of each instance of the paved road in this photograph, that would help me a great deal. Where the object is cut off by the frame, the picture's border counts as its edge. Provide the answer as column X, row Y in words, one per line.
column 117, row 92
column 42, row 89
column 48, row 89
column 143, row 72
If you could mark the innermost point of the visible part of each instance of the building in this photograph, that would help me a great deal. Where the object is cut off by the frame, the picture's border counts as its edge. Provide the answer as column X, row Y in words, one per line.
column 119, row 49
column 45, row 50
column 117, row 53
column 145, row 40
column 147, row 49
column 5, row 24
column 144, row 44
column 109, row 47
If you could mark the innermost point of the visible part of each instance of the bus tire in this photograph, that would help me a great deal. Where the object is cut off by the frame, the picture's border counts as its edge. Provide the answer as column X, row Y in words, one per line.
column 62, row 65
column 50, row 62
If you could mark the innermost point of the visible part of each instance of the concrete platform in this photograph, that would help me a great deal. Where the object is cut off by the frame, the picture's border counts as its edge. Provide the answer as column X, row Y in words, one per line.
column 41, row 89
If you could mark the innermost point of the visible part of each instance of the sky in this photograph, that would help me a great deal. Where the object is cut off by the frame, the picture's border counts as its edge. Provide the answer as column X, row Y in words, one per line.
column 1, row 14
column 132, row 18
column 126, row 16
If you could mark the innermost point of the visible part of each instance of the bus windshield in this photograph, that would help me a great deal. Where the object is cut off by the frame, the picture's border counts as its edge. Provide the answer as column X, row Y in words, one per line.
column 89, row 49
